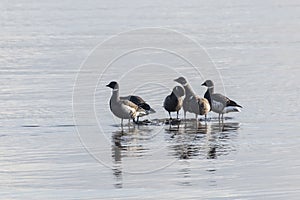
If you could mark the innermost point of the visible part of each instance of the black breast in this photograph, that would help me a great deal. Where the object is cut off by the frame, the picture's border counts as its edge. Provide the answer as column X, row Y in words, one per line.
column 207, row 96
column 171, row 103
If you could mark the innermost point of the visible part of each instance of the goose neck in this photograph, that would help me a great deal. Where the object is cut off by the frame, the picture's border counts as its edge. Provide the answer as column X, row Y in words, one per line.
column 188, row 90
column 210, row 90
column 207, row 95
column 115, row 94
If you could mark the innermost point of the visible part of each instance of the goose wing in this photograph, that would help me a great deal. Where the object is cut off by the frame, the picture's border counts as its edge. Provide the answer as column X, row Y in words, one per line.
column 135, row 99
column 139, row 102
column 130, row 104
column 232, row 103
column 134, row 108
column 219, row 98
column 224, row 101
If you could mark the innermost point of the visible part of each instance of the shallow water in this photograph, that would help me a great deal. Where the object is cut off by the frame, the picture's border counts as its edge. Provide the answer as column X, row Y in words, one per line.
column 252, row 155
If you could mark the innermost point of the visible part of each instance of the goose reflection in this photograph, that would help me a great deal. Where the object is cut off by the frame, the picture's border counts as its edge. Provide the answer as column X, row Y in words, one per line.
column 209, row 140
column 117, row 155
column 127, row 144
column 185, row 173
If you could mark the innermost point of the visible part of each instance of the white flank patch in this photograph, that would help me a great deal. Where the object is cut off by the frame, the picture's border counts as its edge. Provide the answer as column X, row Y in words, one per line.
column 141, row 113
column 231, row 109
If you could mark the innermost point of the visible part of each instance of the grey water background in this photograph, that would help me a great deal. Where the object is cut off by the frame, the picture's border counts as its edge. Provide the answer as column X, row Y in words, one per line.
column 254, row 45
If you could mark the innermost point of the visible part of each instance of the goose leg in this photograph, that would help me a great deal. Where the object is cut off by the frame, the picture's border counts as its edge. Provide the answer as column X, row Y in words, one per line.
column 177, row 114
column 221, row 123
column 170, row 115
column 134, row 122
column 196, row 121
column 122, row 125
column 184, row 115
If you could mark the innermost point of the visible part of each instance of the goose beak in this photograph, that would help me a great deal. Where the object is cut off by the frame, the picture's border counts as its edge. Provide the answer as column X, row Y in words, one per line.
column 203, row 84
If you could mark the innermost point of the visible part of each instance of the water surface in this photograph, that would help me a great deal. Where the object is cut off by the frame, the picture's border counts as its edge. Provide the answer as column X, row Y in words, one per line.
column 252, row 155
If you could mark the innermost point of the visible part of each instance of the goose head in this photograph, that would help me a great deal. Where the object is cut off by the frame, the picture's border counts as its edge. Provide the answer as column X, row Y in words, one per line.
column 113, row 85
column 181, row 80
column 208, row 83
column 178, row 91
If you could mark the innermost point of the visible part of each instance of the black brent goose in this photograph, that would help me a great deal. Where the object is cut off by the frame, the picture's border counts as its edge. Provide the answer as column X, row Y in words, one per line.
column 140, row 103
column 123, row 109
column 174, row 101
column 219, row 103
column 193, row 103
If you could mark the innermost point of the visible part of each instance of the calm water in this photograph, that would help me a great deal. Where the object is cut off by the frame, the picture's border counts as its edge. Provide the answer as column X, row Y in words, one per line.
column 254, row 155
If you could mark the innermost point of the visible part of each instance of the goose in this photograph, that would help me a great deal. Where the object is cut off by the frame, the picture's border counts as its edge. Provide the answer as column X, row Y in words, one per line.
column 174, row 101
column 219, row 103
column 193, row 103
column 123, row 109
column 140, row 103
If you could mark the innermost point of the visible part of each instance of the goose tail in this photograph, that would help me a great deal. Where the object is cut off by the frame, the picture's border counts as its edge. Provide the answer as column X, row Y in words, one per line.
column 146, row 107
column 232, row 109
column 233, row 103
column 151, row 111
column 141, row 112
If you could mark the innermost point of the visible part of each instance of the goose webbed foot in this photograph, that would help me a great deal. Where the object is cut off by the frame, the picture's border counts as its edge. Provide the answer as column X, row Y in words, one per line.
column 173, row 121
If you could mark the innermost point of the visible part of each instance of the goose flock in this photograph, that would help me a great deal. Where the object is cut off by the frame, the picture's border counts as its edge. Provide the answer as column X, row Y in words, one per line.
column 133, row 107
